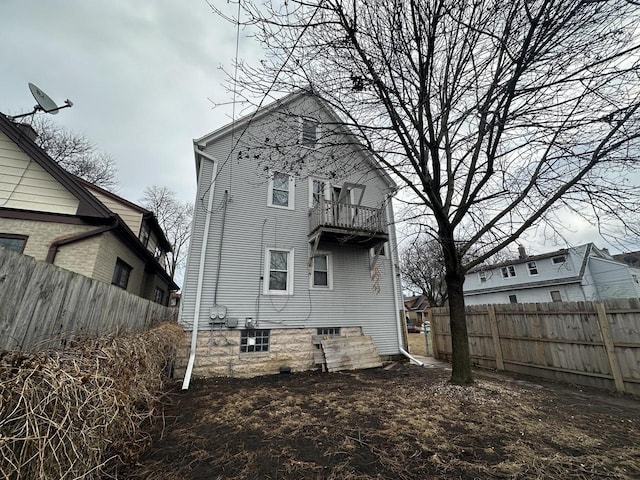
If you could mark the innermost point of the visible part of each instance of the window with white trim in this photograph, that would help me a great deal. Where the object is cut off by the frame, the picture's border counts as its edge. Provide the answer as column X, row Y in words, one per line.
column 533, row 268
column 321, row 272
column 309, row 132
column 482, row 275
column 329, row 331
column 318, row 189
column 555, row 295
column 508, row 272
column 281, row 190
column 278, row 272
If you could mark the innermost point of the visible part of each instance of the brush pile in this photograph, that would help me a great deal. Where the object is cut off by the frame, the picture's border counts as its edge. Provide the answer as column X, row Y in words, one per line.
column 82, row 412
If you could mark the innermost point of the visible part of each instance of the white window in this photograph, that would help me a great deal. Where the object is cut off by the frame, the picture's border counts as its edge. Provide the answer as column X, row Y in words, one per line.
column 533, row 268
column 555, row 296
column 482, row 276
column 558, row 260
column 278, row 272
column 321, row 273
column 318, row 189
column 281, row 190
column 309, row 132
column 509, row 271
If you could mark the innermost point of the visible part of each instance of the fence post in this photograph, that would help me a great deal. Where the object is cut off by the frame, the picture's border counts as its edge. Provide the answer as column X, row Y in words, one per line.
column 496, row 337
column 432, row 333
column 605, row 333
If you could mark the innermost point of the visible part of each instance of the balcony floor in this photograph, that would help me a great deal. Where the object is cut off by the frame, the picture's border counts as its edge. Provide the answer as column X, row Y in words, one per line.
column 348, row 236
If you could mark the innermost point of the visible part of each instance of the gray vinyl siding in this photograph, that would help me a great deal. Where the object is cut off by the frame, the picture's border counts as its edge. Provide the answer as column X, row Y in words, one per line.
column 252, row 226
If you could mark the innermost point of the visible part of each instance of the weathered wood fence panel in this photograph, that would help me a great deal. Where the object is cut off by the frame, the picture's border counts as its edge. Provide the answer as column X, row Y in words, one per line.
column 588, row 343
column 42, row 306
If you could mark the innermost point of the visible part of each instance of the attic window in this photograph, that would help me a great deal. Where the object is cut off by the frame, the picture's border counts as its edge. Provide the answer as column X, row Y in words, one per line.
column 509, row 271
column 482, row 276
column 309, row 132
column 558, row 260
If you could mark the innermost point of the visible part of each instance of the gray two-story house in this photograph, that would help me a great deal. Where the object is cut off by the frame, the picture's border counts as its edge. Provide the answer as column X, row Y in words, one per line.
column 582, row 273
column 293, row 239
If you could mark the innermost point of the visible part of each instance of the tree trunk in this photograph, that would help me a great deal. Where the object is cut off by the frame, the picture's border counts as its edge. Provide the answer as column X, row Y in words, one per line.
column 454, row 278
column 461, row 361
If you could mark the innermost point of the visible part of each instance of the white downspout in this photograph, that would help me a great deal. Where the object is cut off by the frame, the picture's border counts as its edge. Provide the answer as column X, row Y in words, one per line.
column 203, row 254
column 395, row 276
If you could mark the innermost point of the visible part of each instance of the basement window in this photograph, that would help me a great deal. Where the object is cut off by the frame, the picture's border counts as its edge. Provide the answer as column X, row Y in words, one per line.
column 252, row 341
column 329, row 331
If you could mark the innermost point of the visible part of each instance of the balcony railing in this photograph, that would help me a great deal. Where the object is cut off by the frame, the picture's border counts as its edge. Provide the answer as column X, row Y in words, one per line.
column 348, row 218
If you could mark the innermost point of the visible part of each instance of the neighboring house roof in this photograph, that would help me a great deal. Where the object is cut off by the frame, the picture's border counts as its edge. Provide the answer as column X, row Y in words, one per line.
column 630, row 258
column 90, row 209
column 240, row 125
column 148, row 215
column 418, row 302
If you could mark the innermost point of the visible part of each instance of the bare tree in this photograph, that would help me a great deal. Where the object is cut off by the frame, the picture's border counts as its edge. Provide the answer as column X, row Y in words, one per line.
column 75, row 153
column 493, row 115
column 175, row 219
column 423, row 270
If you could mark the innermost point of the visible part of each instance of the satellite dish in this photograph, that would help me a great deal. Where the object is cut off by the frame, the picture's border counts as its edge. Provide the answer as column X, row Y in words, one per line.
column 44, row 101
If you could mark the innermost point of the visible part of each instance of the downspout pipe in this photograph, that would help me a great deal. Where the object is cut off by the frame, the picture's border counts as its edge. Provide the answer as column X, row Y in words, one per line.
column 396, row 277
column 203, row 255
column 56, row 244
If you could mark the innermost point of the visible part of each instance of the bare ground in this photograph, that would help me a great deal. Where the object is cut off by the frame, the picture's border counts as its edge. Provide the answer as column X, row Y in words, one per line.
column 403, row 422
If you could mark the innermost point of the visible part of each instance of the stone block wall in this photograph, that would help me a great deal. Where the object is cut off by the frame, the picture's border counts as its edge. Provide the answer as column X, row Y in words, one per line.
column 218, row 353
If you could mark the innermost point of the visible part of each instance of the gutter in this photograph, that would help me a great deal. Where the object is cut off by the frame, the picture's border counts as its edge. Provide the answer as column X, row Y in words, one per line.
column 53, row 248
column 203, row 254
column 395, row 277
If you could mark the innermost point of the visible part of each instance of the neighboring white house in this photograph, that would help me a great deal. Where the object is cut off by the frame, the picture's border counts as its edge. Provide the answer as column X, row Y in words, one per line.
column 582, row 273
column 292, row 238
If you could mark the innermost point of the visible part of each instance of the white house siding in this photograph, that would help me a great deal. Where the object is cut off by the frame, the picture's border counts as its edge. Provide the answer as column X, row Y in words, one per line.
column 612, row 279
column 25, row 185
column 570, row 292
column 251, row 227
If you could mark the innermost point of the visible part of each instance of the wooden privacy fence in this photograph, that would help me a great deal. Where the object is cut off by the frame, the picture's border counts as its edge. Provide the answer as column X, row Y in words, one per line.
column 43, row 306
column 588, row 343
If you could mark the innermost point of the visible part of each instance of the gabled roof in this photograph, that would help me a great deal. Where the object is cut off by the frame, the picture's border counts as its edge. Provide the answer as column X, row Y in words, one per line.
column 419, row 303
column 90, row 207
column 148, row 215
column 240, row 124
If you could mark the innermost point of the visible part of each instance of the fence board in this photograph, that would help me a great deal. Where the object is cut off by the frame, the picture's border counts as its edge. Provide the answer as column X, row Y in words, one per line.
column 562, row 341
column 44, row 306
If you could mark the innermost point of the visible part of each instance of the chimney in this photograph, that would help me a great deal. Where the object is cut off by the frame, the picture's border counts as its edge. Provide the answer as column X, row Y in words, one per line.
column 522, row 253
column 27, row 130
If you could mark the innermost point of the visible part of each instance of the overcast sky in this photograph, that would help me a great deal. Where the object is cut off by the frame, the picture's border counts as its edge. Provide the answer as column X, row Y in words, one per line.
column 141, row 75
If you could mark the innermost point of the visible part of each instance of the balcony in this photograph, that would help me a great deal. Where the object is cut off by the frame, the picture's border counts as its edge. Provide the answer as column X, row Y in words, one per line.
column 337, row 222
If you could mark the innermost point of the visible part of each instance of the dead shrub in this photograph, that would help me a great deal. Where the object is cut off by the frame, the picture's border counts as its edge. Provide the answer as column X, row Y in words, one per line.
column 84, row 411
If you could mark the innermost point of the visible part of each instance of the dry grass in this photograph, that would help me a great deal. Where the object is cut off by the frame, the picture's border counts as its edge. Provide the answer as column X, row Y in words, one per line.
column 403, row 423
column 80, row 413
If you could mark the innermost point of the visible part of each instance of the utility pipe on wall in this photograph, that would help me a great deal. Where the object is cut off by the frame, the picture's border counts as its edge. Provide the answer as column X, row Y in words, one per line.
column 395, row 278
column 203, row 254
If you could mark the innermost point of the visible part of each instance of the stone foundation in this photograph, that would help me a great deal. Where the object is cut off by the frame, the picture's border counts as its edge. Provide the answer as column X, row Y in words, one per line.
column 218, row 353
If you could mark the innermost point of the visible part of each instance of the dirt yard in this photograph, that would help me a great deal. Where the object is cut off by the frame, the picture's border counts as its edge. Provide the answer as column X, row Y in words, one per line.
column 403, row 422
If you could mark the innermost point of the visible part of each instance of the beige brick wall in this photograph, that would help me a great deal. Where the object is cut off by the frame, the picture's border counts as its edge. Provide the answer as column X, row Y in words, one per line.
column 110, row 250
column 40, row 234
column 218, row 353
